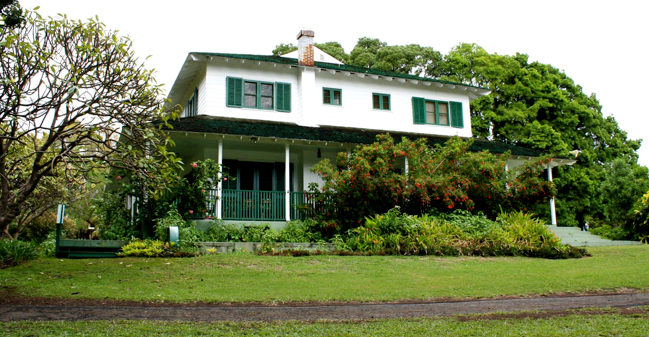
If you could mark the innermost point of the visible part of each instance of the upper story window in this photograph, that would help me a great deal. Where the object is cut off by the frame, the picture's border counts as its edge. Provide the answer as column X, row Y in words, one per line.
column 332, row 96
column 381, row 101
column 437, row 112
column 258, row 94
column 191, row 108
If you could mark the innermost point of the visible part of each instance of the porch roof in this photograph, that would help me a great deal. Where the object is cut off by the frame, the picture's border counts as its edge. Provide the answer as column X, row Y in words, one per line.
column 281, row 130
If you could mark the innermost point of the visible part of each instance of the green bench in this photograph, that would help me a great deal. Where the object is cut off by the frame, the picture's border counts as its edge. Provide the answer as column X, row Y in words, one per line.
column 82, row 249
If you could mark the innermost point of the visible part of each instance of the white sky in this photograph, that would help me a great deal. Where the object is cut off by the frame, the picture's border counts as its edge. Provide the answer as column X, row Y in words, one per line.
column 601, row 45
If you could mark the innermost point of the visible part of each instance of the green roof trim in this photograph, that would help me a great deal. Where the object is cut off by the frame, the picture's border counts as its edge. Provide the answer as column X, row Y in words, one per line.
column 269, row 129
column 332, row 66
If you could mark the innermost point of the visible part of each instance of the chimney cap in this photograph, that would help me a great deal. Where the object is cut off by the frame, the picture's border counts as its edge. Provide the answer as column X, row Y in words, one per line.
column 305, row 32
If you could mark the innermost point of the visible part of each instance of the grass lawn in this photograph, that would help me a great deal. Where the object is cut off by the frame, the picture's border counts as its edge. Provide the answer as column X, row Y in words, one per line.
column 250, row 278
column 611, row 324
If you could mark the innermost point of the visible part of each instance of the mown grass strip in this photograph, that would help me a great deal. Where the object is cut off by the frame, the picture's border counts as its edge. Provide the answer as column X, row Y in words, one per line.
column 251, row 278
column 578, row 324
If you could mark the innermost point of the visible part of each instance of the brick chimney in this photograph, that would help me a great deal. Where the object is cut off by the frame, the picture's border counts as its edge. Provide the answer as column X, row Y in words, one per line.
column 305, row 47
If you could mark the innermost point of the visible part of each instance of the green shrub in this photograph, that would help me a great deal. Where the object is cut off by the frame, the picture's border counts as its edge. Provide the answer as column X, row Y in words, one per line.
column 459, row 233
column 295, row 231
column 14, row 252
column 114, row 217
column 188, row 235
column 146, row 248
column 300, row 231
column 48, row 246
column 524, row 227
column 220, row 232
column 609, row 232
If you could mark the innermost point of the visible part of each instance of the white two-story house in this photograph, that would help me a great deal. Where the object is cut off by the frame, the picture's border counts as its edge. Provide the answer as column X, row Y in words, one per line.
column 269, row 119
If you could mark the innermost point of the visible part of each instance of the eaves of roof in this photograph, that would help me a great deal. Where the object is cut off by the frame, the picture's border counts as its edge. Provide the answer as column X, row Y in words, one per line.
column 281, row 130
column 332, row 66
column 192, row 65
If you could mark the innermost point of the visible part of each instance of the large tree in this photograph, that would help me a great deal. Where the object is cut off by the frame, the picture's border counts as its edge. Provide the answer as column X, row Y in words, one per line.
column 75, row 95
column 53, row 189
column 538, row 106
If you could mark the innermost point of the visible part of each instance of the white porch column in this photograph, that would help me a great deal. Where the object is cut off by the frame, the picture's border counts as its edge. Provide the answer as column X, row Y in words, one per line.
column 219, row 186
column 287, row 183
column 553, row 212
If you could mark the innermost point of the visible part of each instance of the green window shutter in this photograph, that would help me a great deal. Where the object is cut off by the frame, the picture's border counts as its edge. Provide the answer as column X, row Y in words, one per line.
column 457, row 115
column 234, row 96
column 419, row 110
column 283, row 97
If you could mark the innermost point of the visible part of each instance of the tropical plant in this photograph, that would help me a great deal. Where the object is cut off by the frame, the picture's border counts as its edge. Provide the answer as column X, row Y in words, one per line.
column 459, row 233
column 14, row 252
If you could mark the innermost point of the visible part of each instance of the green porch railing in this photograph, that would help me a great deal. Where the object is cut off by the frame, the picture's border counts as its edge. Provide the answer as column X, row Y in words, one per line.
column 253, row 205
column 299, row 201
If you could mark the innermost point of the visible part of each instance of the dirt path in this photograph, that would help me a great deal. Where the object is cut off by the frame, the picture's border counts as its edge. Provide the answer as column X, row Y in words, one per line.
column 57, row 310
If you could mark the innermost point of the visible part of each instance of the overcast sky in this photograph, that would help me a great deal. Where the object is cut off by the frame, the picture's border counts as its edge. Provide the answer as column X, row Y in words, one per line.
column 601, row 45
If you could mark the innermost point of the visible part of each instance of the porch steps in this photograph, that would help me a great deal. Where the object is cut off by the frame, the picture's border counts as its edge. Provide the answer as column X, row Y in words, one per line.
column 574, row 236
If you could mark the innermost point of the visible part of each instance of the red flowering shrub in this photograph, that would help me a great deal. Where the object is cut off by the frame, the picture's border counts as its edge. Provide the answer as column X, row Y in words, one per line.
column 373, row 180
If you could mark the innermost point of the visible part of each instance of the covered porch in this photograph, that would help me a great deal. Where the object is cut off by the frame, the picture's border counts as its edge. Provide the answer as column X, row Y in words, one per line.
column 258, row 155
column 265, row 179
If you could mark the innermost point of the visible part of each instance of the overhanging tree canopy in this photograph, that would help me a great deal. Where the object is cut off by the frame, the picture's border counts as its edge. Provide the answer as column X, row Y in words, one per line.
column 79, row 90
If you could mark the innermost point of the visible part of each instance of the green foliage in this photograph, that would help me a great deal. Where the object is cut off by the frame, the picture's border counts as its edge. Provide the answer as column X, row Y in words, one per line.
column 14, row 252
column 188, row 235
column 613, row 233
column 52, row 190
column 299, row 231
column 295, row 231
column 11, row 15
column 539, row 106
column 444, row 178
column 334, row 49
column 284, row 48
column 459, row 233
column 191, row 191
column 220, row 232
column 187, row 196
column 409, row 59
column 48, row 246
column 640, row 224
column 624, row 183
column 114, row 217
column 146, row 248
